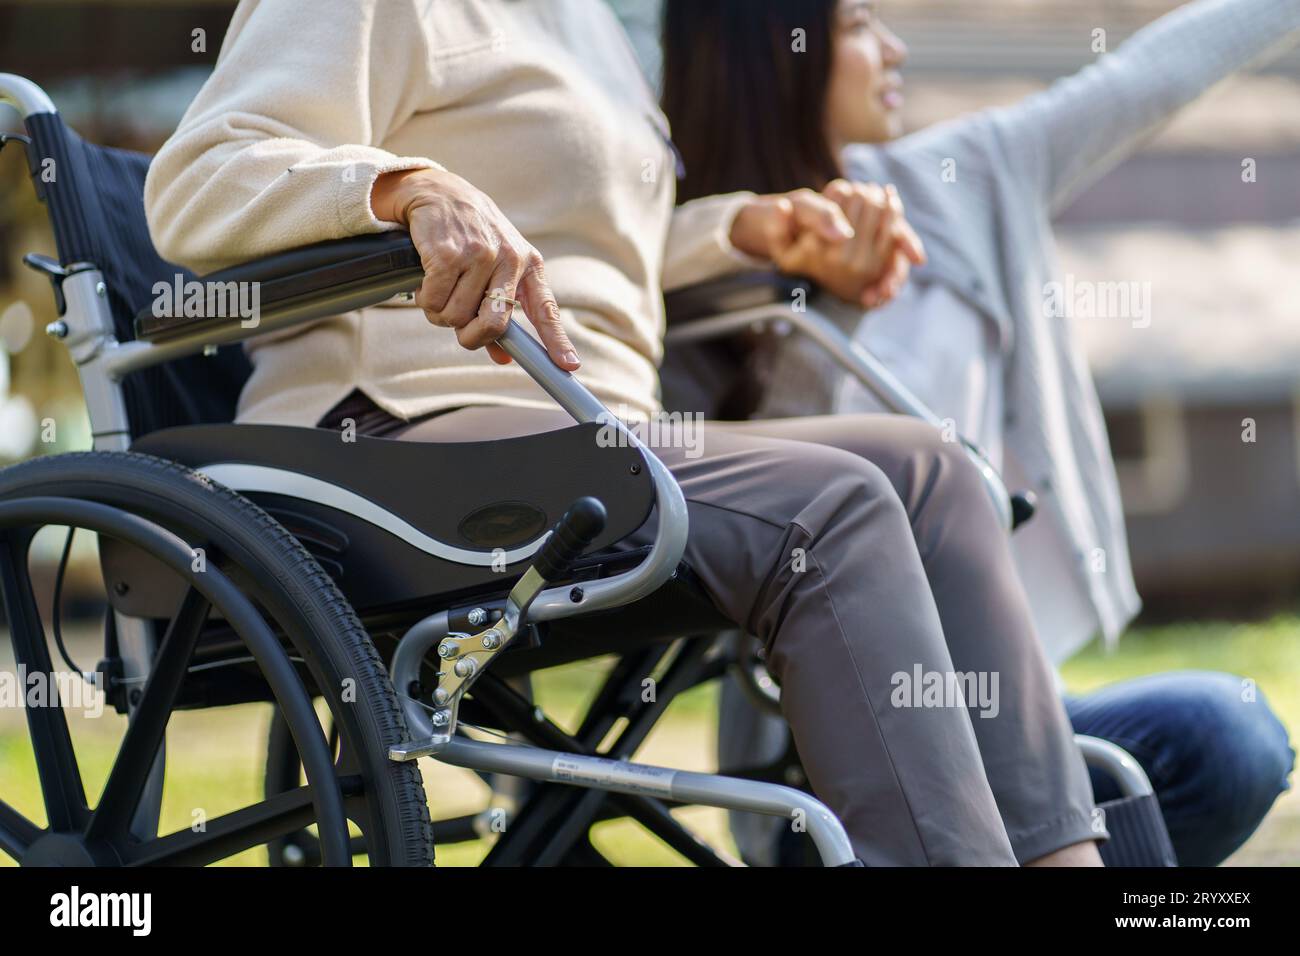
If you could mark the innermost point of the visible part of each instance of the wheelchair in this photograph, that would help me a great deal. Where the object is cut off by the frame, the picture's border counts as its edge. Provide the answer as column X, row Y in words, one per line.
column 258, row 563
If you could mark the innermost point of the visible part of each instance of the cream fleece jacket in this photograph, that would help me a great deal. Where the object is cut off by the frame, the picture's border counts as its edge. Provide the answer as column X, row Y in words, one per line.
column 539, row 103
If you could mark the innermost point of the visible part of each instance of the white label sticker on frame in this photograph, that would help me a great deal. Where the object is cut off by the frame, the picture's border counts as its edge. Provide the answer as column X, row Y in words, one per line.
column 608, row 774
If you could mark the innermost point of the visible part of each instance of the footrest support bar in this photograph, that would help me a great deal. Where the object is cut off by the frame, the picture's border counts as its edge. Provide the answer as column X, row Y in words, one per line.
column 681, row 786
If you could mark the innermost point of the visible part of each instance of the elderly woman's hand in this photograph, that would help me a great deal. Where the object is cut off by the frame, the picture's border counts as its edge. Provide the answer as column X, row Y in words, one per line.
column 470, row 250
column 851, row 239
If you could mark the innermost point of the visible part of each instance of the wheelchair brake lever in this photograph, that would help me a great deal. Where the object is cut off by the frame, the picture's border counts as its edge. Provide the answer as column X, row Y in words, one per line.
column 576, row 530
column 465, row 656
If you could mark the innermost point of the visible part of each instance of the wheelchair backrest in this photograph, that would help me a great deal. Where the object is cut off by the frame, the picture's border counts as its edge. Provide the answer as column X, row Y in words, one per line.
column 95, row 199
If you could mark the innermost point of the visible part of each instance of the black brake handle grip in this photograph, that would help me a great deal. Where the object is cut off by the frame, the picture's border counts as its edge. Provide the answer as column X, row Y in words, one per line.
column 573, row 534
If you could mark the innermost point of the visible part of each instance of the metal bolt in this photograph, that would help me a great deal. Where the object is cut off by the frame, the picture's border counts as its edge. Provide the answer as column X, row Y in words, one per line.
column 293, row 855
column 57, row 330
column 440, row 718
column 465, row 667
column 440, row 696
column 636, row 469
column 209, row 351
column 447, row 650
column 575, row 595
column 101, row 290
column 477, row 616
column 492, row 640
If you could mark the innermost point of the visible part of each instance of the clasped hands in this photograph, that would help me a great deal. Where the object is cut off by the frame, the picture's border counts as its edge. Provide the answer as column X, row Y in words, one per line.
column 851, row 239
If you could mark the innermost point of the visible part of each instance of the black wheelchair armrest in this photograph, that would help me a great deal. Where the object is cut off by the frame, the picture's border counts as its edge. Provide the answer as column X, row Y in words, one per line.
column 295, row 277
column 746, row 290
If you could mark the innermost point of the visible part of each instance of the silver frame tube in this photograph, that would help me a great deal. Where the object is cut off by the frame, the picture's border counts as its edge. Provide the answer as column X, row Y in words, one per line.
column 868, row 370
column 850, row 355
column 674, row 524
column 1116, row 761
column 24, row 95
column 683, row 786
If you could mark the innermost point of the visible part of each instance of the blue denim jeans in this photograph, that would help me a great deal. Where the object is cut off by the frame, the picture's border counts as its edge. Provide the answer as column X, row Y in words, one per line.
column 1216, row 755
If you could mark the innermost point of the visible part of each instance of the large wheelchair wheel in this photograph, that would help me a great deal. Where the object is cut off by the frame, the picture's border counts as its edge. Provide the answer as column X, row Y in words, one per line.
column 259, row 586
column 284, row 772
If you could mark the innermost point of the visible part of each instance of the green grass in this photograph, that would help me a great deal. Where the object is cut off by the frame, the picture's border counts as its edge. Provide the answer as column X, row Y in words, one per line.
column 1268, row 652
column 215, row 757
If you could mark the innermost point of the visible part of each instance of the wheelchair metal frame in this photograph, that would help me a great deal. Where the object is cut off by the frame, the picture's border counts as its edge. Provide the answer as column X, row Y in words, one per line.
column 856, row 360
column 102, row 361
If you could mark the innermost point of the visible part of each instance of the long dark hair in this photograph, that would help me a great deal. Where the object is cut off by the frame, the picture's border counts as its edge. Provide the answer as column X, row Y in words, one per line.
column 747, row 110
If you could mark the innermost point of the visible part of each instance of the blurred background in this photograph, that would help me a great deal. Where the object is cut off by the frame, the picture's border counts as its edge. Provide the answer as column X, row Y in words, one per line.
column 1214, row 522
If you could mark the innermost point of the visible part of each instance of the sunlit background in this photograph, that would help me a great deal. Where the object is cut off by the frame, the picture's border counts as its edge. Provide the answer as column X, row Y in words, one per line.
column 1214, row 522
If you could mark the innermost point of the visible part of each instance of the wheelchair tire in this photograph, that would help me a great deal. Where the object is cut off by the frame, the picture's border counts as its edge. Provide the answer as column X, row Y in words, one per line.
column 385, row 799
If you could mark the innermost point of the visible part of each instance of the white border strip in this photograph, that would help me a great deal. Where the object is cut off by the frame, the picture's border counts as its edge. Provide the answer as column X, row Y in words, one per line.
column 292, row 484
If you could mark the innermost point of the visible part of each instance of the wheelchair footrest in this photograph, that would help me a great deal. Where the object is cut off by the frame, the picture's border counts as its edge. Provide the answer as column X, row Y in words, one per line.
column 414, row 749
column 1138, row 836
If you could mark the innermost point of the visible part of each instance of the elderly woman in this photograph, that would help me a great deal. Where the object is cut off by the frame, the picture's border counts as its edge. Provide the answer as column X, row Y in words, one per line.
column 516, row 142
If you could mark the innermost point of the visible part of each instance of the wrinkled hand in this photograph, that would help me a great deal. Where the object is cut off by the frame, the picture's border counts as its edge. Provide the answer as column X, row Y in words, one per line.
column 852, row 239
column 469, row 249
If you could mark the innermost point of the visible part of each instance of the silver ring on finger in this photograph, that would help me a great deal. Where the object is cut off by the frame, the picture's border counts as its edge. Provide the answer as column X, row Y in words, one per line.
column 502, row 297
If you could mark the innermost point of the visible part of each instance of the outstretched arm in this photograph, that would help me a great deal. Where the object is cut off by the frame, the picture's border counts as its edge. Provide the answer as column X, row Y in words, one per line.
column 1083, row 125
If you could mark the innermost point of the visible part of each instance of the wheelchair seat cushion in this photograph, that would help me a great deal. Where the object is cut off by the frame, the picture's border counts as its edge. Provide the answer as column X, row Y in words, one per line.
column 396, row 522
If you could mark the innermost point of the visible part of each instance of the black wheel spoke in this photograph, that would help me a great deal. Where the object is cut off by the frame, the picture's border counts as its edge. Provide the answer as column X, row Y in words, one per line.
column 144, row 734
column 56, row 761
column 334, row 740
column 17, row 833
column 228, row 834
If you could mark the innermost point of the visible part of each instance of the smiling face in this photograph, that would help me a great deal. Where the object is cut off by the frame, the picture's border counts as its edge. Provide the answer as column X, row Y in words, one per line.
column 865, row 97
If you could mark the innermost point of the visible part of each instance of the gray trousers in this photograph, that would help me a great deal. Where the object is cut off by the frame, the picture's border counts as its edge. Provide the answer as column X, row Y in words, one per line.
column 864, row 553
